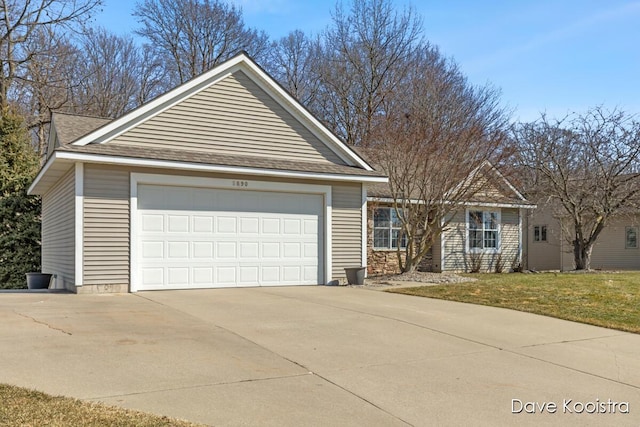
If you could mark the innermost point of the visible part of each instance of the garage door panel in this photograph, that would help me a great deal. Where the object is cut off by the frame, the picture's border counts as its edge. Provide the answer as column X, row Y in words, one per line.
column 178, row 224
column 202, row 224
column 203, row 250
column 249, row 225
column 225, row 275
column 249, row 250
column 271, row 226
column 202, row 275
column 152, row 277
column 310, row 250
column 226, row 250
column 292, row 250
column 292, row 227
column 177, row 276
column 152, row 250
column 270, row 250
column 223, row 238
column 152, row 223
column 227, row 224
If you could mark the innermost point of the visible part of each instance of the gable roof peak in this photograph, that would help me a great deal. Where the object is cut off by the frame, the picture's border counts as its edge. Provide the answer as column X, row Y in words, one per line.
column 240, row 62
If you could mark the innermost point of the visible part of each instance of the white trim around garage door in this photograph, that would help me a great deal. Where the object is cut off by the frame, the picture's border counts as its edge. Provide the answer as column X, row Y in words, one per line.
column 79, row 224
column 230, row 184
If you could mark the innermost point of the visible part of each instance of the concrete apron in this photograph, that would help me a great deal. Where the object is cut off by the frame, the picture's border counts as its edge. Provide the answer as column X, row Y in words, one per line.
column 318, row 356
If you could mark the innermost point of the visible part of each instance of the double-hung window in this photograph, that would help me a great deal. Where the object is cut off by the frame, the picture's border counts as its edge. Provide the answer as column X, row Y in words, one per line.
column 484, row 230
column 631, row 238
column 387, row 229
column 539, row 233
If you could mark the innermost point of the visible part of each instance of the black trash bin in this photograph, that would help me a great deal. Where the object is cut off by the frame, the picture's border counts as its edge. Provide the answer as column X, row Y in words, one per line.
column 38, row 280
column 355, row 275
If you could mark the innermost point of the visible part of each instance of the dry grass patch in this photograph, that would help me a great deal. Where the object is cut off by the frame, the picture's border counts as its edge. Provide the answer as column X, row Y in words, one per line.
column 23, row 407
column 611, row 300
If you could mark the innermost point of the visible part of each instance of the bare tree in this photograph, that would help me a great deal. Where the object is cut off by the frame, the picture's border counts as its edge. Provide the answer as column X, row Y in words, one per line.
column 113, row 75
column 434, row 141
column 193, row 36
column 293, row 61
column 587, row 167
column 46, row 82
column 20, row 21
column 364, row 59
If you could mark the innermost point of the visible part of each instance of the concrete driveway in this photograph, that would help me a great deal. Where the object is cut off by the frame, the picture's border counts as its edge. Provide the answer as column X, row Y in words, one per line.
column 319, row 356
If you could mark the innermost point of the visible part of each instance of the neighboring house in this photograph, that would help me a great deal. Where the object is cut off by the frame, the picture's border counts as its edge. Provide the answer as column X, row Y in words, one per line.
column 487, row 229
column 548, row 245
column 224, row 181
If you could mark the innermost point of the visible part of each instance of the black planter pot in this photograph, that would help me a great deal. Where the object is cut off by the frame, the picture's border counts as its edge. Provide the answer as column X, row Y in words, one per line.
column 38, row 280
column 355, row 275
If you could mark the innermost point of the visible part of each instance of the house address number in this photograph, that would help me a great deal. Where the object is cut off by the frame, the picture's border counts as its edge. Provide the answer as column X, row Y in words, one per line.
column 237, row 183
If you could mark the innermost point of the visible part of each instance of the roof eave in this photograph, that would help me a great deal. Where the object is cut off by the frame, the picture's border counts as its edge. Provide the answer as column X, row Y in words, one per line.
column 205, row 167
column 469, row 203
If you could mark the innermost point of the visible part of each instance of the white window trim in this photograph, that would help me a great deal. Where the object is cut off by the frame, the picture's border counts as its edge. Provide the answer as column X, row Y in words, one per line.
column 373, row 228
column 222, row 183
column 484, row 210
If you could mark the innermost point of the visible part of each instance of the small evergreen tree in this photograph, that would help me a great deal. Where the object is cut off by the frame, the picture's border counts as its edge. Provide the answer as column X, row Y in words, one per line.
column 19, row 213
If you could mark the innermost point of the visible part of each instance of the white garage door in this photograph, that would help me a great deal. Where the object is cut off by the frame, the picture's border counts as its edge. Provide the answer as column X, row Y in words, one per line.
column 191, row 237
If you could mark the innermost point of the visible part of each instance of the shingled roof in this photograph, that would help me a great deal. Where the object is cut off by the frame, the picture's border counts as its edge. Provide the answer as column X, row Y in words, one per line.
column 70, row 127
column 498, row 190
column 216, row 159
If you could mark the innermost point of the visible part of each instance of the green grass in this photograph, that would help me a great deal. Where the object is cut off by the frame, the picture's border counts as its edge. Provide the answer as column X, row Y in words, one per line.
column 611, row 300
column 22, row 407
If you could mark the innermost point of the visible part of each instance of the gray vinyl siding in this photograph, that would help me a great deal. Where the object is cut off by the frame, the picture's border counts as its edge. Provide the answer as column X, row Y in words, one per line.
column 509, row 235
column 233, row 117
column 58, row 230
column 106, row 225
column 457, row 259
column 454, row 258
column 610, row 251
column 554, row 254
column 346, row 228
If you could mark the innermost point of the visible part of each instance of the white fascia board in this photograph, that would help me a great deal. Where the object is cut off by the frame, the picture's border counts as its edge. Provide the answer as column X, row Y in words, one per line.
column 488, row 204
column 499, row 205
column 42, row 172
column 392, row 200
column 238, row 170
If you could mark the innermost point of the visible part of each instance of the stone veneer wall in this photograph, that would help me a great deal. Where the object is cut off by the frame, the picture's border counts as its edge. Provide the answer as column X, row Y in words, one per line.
column 381, row 262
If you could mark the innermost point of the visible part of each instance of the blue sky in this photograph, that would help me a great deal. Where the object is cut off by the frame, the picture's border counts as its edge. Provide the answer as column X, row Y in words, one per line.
column 553, row 56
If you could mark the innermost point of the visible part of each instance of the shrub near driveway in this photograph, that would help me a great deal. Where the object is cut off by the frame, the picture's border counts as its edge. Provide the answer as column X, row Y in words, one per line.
column 611, row 300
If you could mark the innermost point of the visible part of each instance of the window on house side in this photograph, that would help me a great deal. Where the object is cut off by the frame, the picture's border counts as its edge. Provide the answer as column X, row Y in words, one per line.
column 483, row 230
column 631, row 238
column 540, row 233
column 387, row 229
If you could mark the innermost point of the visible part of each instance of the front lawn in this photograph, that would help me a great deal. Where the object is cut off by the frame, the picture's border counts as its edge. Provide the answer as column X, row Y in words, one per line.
column 611, row 300
column 22, row 407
